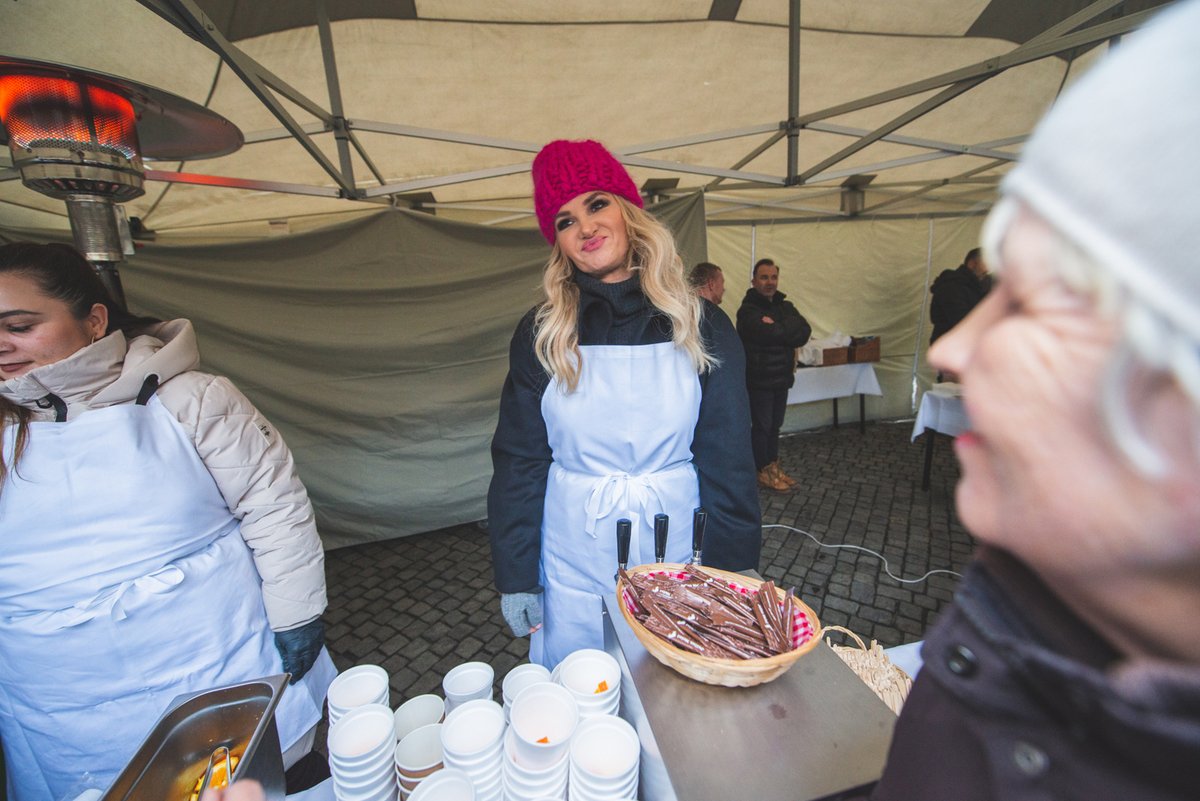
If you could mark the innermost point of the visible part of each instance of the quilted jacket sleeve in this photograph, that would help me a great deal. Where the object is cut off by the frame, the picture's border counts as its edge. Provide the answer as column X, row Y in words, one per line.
column 521, row 458
column 722, row 454
column 255, row 473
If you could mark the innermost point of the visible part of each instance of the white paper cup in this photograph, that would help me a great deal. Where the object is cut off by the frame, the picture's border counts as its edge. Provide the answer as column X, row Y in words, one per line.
column 417, row 712
column 584, row 788
column 605, row 751
column 445, row 785
column 356, row 770
column 517, row 794
column 544, row 717
column 419, row 753
column 525, row 789
column 521, row 677
column 585, row 672
column 379, row 777
column 484, row 764
column 467, row 682
column 358, row 686
column 386, row 792
column 473, row 729
column 521, row 788
column 359, row 735
column 543, row 775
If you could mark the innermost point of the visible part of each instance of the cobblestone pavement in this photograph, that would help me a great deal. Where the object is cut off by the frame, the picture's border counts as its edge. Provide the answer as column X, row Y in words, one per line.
column 420, row 605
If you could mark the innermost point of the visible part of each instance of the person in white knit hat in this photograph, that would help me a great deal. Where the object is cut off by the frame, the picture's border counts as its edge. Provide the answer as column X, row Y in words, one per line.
column 1069, row 665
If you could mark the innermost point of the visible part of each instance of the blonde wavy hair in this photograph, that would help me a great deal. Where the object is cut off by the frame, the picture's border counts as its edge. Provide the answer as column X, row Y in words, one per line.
column 652, row 254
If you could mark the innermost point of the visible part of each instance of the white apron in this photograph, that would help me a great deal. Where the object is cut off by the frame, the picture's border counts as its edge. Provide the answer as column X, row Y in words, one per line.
column 622, row 448
column 124, row 582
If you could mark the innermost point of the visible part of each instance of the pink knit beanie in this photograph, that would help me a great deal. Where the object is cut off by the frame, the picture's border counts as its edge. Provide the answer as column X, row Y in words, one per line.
column 565, row 169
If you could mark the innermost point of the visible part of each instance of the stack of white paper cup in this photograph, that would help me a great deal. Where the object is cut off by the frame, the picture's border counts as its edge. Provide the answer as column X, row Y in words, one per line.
column 521, row 783
column 468, row 682
column 544, row 717
column 473, row 741
column 358, row 686
column 445, row 785
column 418, row 756
column 361, row 744
column 518, row 679
column 417, row 712
column 593, row 679
column 604, row 760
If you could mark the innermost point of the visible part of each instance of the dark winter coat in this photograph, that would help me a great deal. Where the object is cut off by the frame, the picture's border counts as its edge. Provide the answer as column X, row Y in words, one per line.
column 1020, row 699
column 954, row 294
column 770, row 347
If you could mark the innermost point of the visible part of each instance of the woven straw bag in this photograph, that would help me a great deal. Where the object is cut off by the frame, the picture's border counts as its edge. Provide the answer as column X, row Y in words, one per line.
column 872, row 665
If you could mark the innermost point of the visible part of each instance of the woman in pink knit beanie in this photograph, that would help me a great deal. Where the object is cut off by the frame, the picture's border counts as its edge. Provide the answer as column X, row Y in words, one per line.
column 625, row 399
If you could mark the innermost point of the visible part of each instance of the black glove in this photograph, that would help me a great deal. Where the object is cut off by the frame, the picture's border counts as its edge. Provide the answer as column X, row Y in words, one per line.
column 300, row 647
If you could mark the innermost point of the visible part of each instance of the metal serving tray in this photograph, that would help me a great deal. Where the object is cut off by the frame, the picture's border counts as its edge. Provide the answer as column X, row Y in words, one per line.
column 176, row 752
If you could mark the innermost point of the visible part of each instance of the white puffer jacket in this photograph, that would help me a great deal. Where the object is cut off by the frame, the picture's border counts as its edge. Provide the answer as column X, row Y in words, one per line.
column 247, row 458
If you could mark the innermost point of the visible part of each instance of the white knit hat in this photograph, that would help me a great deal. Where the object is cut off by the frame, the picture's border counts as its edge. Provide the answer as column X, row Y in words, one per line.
column 1115, row 165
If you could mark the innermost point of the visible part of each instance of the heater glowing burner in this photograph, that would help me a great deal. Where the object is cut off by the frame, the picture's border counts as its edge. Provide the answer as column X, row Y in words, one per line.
column 68, row 137
column 80, row 136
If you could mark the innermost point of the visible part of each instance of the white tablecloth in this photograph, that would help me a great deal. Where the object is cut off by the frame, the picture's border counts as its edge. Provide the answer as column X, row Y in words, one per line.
column 837, row 381
column 942, row 410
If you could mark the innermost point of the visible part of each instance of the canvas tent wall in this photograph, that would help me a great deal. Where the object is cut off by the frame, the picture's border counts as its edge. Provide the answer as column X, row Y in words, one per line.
column 377, row 346
column 768, row 107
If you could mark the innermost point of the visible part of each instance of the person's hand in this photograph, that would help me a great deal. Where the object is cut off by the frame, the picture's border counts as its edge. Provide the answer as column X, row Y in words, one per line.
column 768, row 320
column 242, row 790
column 300, row 647
column 522, row 611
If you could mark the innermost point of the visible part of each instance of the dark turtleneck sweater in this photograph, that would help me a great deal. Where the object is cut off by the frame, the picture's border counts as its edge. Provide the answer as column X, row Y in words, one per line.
column 620, row 314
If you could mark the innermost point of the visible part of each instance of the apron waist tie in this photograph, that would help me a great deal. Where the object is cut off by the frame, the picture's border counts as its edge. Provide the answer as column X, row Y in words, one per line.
column 107, row 602
column 618, row 490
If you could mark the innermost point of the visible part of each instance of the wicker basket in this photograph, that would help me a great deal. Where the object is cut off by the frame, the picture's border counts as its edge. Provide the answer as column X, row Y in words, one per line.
column 872, row 665
column 806, row 633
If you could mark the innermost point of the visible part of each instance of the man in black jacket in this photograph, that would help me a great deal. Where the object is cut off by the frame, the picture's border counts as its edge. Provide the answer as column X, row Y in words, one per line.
column 955, row 293
column 771, row 329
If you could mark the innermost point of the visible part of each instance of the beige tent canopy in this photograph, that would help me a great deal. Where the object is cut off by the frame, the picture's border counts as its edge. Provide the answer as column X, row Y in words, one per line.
column 358, row 264
column 779, row 110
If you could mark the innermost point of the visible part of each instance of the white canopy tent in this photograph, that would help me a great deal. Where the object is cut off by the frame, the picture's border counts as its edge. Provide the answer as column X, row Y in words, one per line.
column 856, row 143
column 770, row 106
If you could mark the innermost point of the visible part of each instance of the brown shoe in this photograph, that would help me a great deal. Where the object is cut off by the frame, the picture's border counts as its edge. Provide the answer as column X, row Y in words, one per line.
column 782, row 476
column 768, row 480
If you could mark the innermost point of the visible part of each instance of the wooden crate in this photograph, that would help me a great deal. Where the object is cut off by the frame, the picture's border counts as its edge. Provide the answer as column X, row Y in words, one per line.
column 834, row 356
column 864, row 349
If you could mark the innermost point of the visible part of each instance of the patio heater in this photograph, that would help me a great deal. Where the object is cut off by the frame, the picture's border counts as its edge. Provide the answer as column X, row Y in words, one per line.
column 80, row 136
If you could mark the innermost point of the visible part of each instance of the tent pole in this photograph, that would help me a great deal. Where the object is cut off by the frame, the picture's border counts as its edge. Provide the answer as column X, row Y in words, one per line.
column 793, row 110
column 329, row 59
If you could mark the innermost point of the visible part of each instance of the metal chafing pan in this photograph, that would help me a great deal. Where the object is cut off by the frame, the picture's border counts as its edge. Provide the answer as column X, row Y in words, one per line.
column 176, row 752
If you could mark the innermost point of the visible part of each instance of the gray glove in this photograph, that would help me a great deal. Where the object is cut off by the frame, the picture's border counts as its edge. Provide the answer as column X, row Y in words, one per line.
column 522, row 611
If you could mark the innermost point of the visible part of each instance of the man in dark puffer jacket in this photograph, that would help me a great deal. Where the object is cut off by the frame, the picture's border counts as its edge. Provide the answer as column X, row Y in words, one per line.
column 956, row 292
column 771, row 329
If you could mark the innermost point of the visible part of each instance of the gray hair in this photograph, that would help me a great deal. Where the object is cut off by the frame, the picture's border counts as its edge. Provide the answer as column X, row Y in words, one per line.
column 1149, row 340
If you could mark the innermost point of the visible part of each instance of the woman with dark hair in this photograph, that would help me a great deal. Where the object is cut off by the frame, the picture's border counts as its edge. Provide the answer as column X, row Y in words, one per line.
column 625, row 398
column 157, row 540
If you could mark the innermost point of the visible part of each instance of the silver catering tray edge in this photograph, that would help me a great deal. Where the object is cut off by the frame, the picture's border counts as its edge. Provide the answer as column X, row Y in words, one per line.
column 177, row 749
column 816, row 732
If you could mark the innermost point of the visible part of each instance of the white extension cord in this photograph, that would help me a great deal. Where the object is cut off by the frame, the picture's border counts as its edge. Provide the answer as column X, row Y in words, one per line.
column 879, row 556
